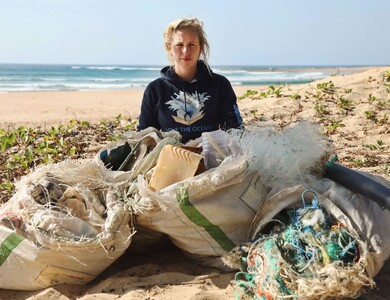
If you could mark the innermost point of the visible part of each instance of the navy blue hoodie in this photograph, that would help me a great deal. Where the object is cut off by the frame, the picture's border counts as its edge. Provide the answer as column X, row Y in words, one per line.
column 206, row 103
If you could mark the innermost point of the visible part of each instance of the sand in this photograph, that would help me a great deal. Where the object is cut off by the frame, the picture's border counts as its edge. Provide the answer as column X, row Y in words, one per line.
column 53, row 108
column 166, row 273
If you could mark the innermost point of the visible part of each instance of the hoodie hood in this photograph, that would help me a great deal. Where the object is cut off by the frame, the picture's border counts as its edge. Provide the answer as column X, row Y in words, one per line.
column 202, row 72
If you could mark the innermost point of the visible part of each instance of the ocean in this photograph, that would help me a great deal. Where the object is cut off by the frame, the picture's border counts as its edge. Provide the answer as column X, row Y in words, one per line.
column 34, row 77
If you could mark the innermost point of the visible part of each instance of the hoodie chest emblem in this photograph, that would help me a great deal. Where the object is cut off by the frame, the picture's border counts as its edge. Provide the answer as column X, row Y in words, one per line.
column 188, row 107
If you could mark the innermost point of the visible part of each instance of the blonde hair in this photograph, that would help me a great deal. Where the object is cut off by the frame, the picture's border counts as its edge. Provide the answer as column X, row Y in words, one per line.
column 192, row 24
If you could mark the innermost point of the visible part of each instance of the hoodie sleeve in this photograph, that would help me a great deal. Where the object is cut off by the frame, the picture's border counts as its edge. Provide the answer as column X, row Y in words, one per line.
column 148, row 115
column 230, row 116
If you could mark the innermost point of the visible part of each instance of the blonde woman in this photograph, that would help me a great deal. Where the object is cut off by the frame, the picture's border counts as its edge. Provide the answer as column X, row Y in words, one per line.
column 189, row 97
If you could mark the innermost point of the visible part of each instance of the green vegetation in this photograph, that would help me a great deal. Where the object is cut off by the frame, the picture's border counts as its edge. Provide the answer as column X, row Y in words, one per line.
column 295, row 96
column 251, row 94
column 371, row 98
column 25, row 148
column 345, row 104
column 326, row 87
column 274, row 91
column 387, row 85
column 370, row 115
column 386, row 76
column 383, row 120
column 255, row 95
column 348, row 91
column 378, row 146
column 332, row 127
column 320, row 109
column 372, row 155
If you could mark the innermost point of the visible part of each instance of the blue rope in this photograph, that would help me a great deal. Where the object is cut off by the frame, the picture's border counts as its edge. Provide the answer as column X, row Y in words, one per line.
column 332, row 161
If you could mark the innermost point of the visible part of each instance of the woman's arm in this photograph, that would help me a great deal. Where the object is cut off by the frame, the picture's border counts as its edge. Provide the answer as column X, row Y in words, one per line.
column 148, row 115
column 230, row 116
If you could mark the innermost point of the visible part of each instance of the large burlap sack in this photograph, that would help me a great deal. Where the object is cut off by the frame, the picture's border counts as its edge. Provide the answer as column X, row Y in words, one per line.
column 66, row 223
column 206, row 215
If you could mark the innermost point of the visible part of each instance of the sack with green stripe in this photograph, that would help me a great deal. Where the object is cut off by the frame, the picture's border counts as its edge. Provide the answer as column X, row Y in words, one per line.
column 65, row 224
column 206, row 215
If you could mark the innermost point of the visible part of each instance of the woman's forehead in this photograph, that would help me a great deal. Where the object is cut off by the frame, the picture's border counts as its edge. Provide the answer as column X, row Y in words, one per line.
column 185, row 35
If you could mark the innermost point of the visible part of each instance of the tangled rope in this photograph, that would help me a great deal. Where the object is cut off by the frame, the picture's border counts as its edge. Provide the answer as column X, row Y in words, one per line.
column 304, row 254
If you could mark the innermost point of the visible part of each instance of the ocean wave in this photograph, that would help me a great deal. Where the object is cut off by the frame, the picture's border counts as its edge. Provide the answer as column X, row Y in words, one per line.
column 30, row 87
column 276, row 77
column 116, row 68
column 115, row 77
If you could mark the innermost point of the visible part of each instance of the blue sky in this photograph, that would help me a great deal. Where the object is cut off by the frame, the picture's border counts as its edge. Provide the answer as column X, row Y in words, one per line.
column 245, row 32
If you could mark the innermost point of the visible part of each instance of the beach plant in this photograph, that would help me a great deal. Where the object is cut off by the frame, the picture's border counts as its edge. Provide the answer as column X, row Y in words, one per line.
column 326, row 87
column 320, row 109
column 251, row 94
column 382, row 104
column 371, row 98
column 361, row 162
column 295, row 96
column 253, row 117
column 387, row 85
column 21, row 136
column 7, row 139
column 263, row 94
column 345, row 104
column 383, row 120
column 370, row 115
column 386, row 169
column 318, row 95
column 254, row 113
column 6, row 186
column 348, row 90
column 272, row 90
column 386, row 76
column 255, row 95
column 332, row 127
column 131, row 125
column 379, row 145
column 372, row 155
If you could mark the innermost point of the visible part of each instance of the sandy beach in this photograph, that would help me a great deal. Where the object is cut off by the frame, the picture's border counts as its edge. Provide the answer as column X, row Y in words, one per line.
column 167, row 273
column 54, row 108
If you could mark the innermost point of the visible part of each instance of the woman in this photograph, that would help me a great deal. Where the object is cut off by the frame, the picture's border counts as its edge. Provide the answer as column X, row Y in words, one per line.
column 189, row 97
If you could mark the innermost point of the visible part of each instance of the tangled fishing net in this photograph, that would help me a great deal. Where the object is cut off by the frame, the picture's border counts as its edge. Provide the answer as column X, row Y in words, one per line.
column 303, row 253
column 284, row 157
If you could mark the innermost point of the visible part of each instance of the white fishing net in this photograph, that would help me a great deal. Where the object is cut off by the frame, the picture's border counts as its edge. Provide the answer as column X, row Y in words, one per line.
column 285, row 156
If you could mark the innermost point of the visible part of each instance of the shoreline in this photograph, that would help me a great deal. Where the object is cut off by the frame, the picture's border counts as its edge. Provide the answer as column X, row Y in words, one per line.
column 55, row 108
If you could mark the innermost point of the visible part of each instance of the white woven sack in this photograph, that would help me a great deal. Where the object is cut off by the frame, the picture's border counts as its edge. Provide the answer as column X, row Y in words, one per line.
column 44, row 245
column 368, row 219
column 206, row 215
column 332, row 280
column 290, row 197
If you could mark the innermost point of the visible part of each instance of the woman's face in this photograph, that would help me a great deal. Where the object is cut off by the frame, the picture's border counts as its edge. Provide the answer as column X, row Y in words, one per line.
column 185, row 49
